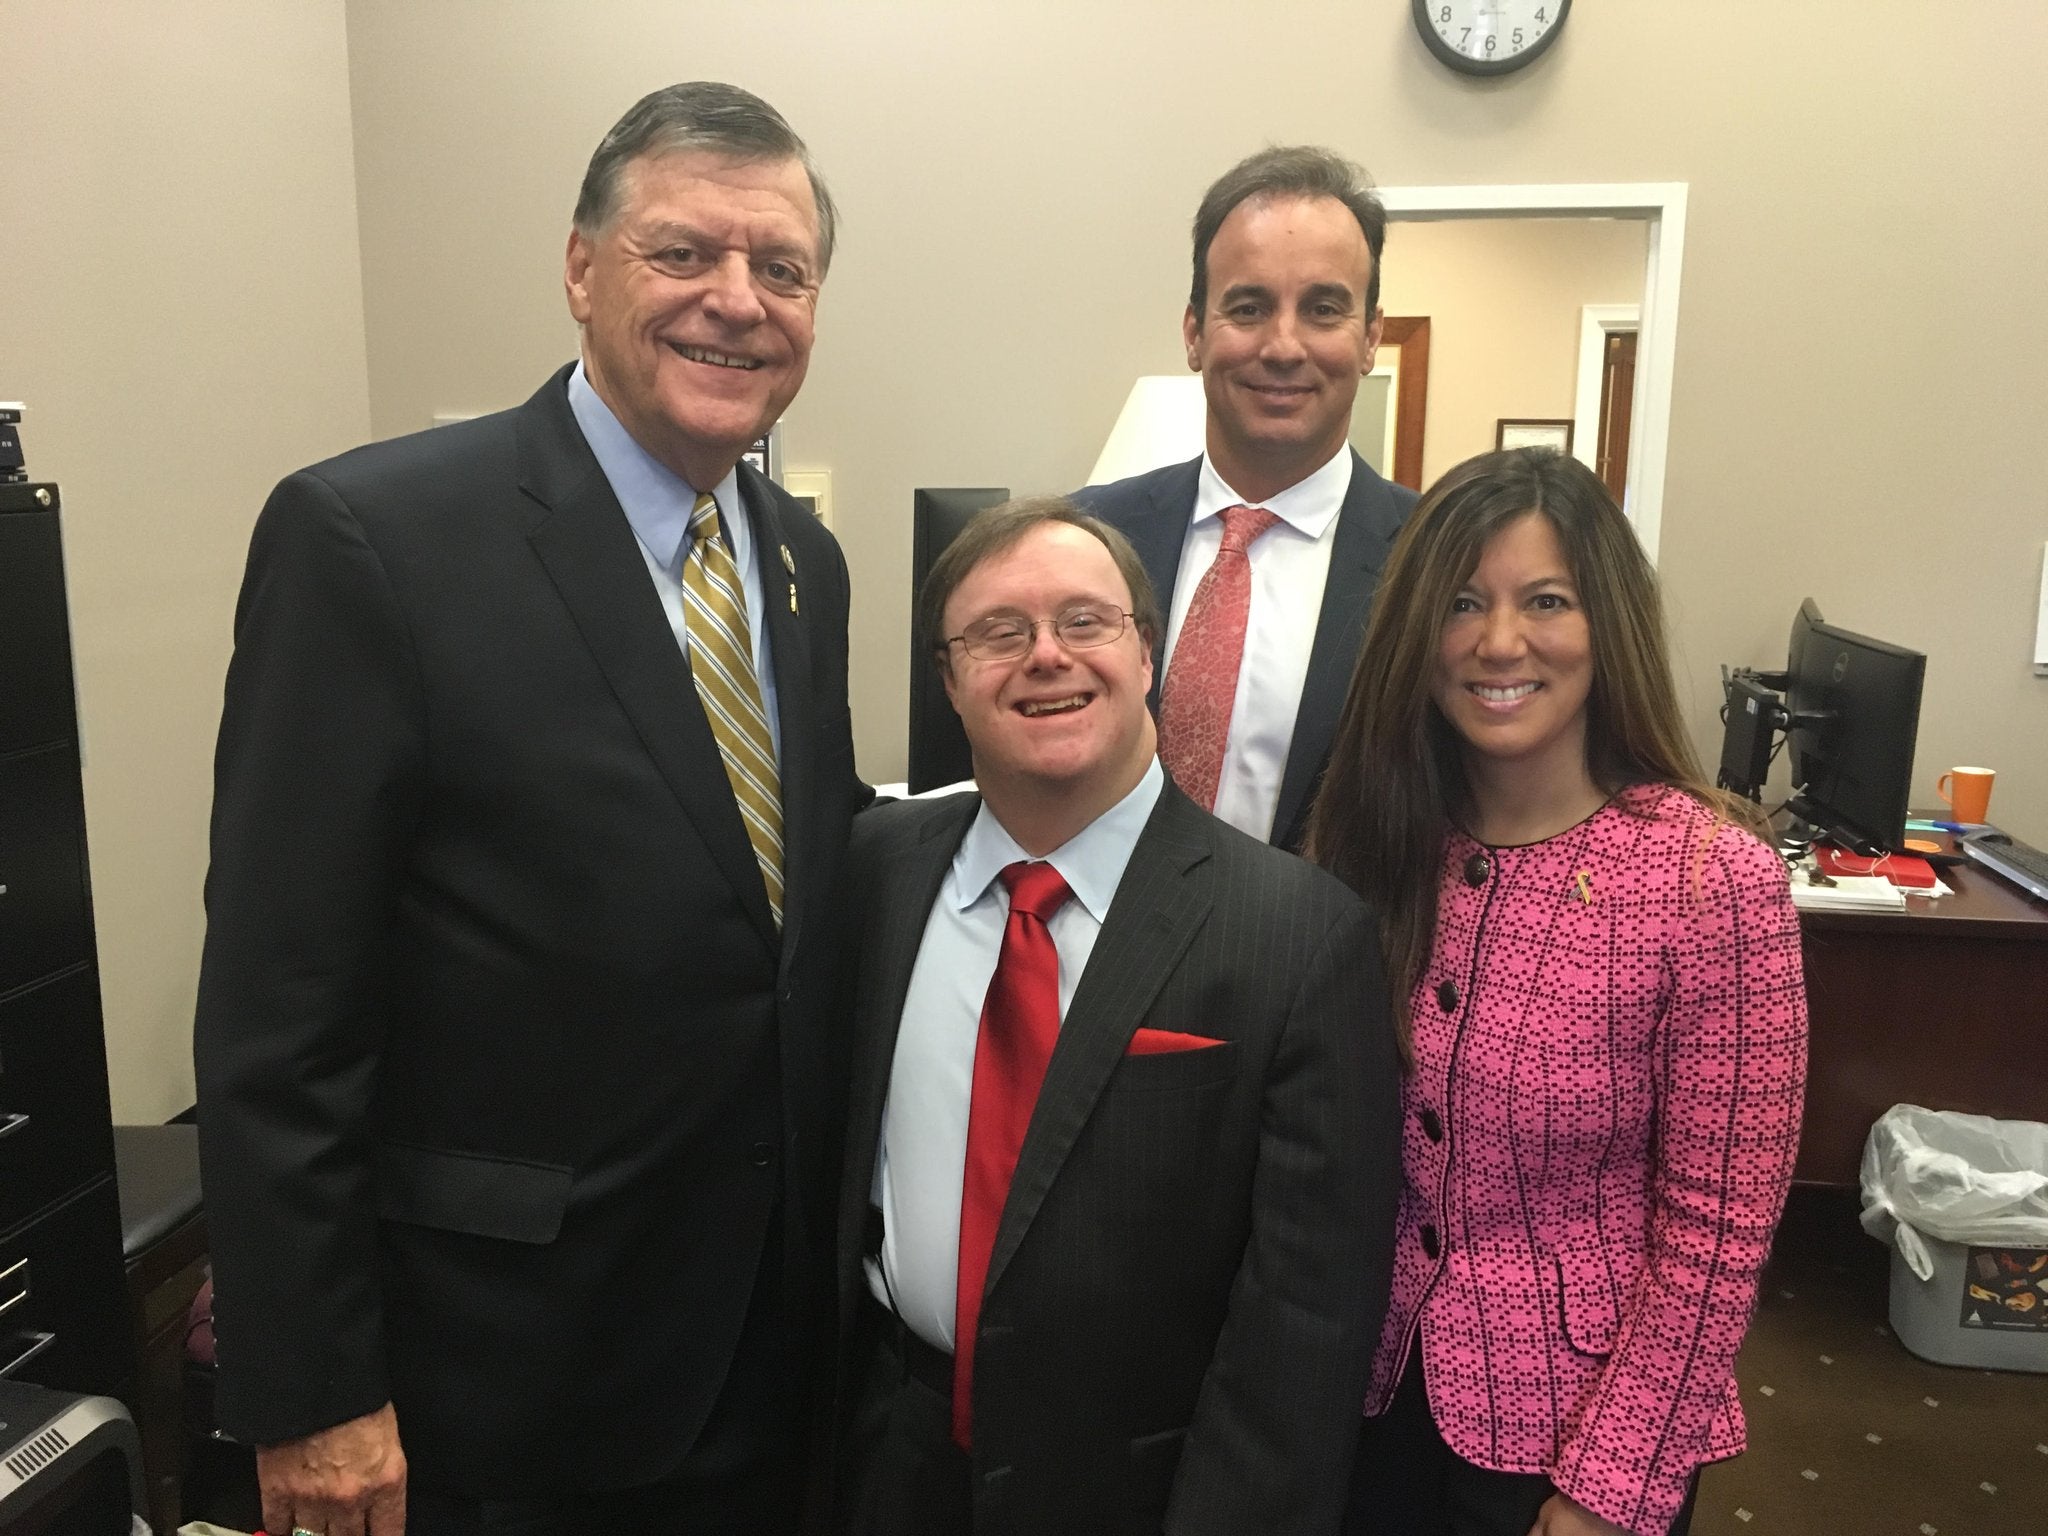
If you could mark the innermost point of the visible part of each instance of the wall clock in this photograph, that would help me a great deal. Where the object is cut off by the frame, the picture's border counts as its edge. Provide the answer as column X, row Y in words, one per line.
column 1489, row 37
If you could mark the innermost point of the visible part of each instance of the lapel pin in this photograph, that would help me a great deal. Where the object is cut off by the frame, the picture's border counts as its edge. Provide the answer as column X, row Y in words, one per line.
column 788, row 560
column 1584, row 881
column 792, row 595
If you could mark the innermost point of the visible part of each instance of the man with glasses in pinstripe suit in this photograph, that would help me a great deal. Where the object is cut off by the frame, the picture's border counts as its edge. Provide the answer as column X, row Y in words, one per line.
column 1116, row 1219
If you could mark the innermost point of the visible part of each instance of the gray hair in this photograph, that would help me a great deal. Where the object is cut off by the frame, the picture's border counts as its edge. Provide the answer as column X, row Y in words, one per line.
column 1300, row 170
column 705, row 115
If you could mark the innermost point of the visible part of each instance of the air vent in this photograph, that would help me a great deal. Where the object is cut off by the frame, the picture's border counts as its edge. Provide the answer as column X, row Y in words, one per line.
column 38, row 1453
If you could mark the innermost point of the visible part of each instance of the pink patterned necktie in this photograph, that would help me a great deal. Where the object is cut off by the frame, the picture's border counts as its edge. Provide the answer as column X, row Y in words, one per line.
column 1201, row 679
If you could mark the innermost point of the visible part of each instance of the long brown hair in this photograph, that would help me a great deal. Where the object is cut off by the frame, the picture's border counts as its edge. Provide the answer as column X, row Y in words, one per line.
column 1396, row 781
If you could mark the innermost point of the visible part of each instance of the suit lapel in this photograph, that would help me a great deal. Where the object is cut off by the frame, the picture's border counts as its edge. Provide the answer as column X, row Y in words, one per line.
column 1160, row 905
column 1158, row 532
column 591, row 555
column 789, row 655
column 1366, row 525
column 899, row 902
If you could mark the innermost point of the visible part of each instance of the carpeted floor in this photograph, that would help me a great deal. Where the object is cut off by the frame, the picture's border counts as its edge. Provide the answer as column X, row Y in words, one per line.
column 1849, row 1433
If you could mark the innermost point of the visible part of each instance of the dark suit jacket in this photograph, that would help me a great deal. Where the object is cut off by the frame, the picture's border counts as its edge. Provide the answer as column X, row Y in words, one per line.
column 1152, row 511
column 1191, row 1269
column 503, row 1068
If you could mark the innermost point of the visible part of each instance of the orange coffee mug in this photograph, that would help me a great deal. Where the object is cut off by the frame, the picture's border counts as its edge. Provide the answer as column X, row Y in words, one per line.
column 1967, row 791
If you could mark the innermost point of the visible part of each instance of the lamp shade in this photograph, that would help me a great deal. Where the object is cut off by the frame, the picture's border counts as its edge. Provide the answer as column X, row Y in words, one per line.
column 1162, row 423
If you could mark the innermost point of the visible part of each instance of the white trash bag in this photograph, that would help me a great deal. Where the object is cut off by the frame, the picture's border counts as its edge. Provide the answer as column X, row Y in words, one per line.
column 1960, row 1178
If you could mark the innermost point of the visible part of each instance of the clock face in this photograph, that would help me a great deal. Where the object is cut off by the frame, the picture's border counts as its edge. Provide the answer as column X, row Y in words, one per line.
column 1489, row 37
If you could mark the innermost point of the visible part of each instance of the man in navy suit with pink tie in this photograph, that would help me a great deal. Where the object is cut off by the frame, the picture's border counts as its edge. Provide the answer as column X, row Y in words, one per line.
column 1265, row 551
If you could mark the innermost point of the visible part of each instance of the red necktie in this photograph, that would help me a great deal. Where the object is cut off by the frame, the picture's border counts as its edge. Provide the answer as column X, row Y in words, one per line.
column 1201, row 680
column 1020, row 1022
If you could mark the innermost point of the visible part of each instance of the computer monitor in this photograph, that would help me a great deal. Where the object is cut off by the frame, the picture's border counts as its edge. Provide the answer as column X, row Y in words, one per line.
column 1854, row 715
column 938, row 746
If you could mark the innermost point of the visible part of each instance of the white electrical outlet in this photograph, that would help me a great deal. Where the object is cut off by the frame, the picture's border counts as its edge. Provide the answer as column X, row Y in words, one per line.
column 813, row 489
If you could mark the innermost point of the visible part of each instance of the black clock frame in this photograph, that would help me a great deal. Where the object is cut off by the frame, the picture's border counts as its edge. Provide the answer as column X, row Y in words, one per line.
column 1465, row 64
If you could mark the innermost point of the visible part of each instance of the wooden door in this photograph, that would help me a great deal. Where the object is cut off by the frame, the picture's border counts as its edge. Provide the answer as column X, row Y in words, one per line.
column 1617, row 397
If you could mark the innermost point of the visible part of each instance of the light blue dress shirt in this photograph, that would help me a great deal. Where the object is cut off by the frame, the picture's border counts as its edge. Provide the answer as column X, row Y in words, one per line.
column 923, row 1155
column 657, row 502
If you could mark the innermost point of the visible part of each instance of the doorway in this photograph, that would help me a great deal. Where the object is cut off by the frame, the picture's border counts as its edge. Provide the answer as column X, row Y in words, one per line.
column 1661, row 207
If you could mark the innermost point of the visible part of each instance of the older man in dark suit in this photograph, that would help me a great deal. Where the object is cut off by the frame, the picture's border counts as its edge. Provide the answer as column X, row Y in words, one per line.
column 1114, row 1230
column 1265, row 551
column 534, row 770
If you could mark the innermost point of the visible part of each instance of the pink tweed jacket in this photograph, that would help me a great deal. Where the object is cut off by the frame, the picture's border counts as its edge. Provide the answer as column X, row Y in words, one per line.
column 1610, row 1044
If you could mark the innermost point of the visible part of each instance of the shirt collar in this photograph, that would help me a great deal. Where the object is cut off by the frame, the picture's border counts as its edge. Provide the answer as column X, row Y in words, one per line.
column 1091, row 861
column 656, row 500
column 1308, row 506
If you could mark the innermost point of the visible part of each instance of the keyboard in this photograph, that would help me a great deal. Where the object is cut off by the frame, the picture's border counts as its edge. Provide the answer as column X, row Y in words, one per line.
column 2021, row 863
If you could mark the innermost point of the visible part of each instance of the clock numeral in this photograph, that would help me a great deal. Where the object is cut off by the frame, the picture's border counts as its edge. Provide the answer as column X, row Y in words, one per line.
column 1484, row 37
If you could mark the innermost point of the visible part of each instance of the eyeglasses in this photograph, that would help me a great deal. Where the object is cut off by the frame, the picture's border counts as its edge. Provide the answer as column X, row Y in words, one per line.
column 1006, row 636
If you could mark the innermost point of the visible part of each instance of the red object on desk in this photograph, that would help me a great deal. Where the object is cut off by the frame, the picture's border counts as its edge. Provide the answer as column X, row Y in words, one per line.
column 1902, row 869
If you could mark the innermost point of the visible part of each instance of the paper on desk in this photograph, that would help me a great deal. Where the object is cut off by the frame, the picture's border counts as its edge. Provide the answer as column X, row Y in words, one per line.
column 1849, row 893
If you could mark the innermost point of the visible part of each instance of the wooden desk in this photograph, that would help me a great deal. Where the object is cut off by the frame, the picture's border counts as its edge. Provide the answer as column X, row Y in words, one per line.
column 1944, row 1005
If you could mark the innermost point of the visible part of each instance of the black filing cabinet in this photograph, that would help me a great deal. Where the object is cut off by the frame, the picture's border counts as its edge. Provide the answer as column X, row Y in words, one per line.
column 63, row 1319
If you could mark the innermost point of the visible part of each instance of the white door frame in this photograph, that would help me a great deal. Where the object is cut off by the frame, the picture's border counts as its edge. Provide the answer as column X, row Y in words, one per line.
column 1661, row 204
column 1597, row 322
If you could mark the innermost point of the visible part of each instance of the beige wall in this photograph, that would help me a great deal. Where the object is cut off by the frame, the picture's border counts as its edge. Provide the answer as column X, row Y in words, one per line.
column 1503, row 298
column 1866, row 196
column 180, row 302
column 181, row 309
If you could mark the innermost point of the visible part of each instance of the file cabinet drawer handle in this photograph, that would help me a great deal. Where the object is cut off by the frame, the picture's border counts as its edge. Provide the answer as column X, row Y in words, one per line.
column 13, row 1287
column 37, row 1343
column 9, row 1124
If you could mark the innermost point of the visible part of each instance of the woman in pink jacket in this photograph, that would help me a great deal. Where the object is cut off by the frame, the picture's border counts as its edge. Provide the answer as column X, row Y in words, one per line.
column 1604, row 1012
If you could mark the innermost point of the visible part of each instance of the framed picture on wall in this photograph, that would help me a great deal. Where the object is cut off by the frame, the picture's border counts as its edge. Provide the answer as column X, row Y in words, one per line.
column 1533, row 432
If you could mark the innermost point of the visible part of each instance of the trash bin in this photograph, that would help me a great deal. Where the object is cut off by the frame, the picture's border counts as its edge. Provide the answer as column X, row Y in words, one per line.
column 1963, row 1201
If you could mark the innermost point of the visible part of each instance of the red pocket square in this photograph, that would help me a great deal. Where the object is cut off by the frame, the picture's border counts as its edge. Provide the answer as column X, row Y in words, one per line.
column 1157, row 1042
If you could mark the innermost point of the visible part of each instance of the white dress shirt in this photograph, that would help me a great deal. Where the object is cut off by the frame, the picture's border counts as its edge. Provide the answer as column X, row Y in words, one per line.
column 921, row 1163
column 658, row 502
column 1290, row 567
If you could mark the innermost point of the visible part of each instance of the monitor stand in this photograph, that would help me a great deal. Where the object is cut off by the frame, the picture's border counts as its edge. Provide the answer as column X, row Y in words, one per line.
column 1806, row 825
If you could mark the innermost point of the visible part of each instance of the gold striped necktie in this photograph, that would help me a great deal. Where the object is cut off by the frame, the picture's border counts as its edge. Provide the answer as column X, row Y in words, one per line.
column 722, row 662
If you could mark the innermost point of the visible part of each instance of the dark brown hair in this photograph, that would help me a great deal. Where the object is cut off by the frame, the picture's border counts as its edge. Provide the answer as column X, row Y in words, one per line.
column 1396, row 781
column 1299, row 170
column 998, row 529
